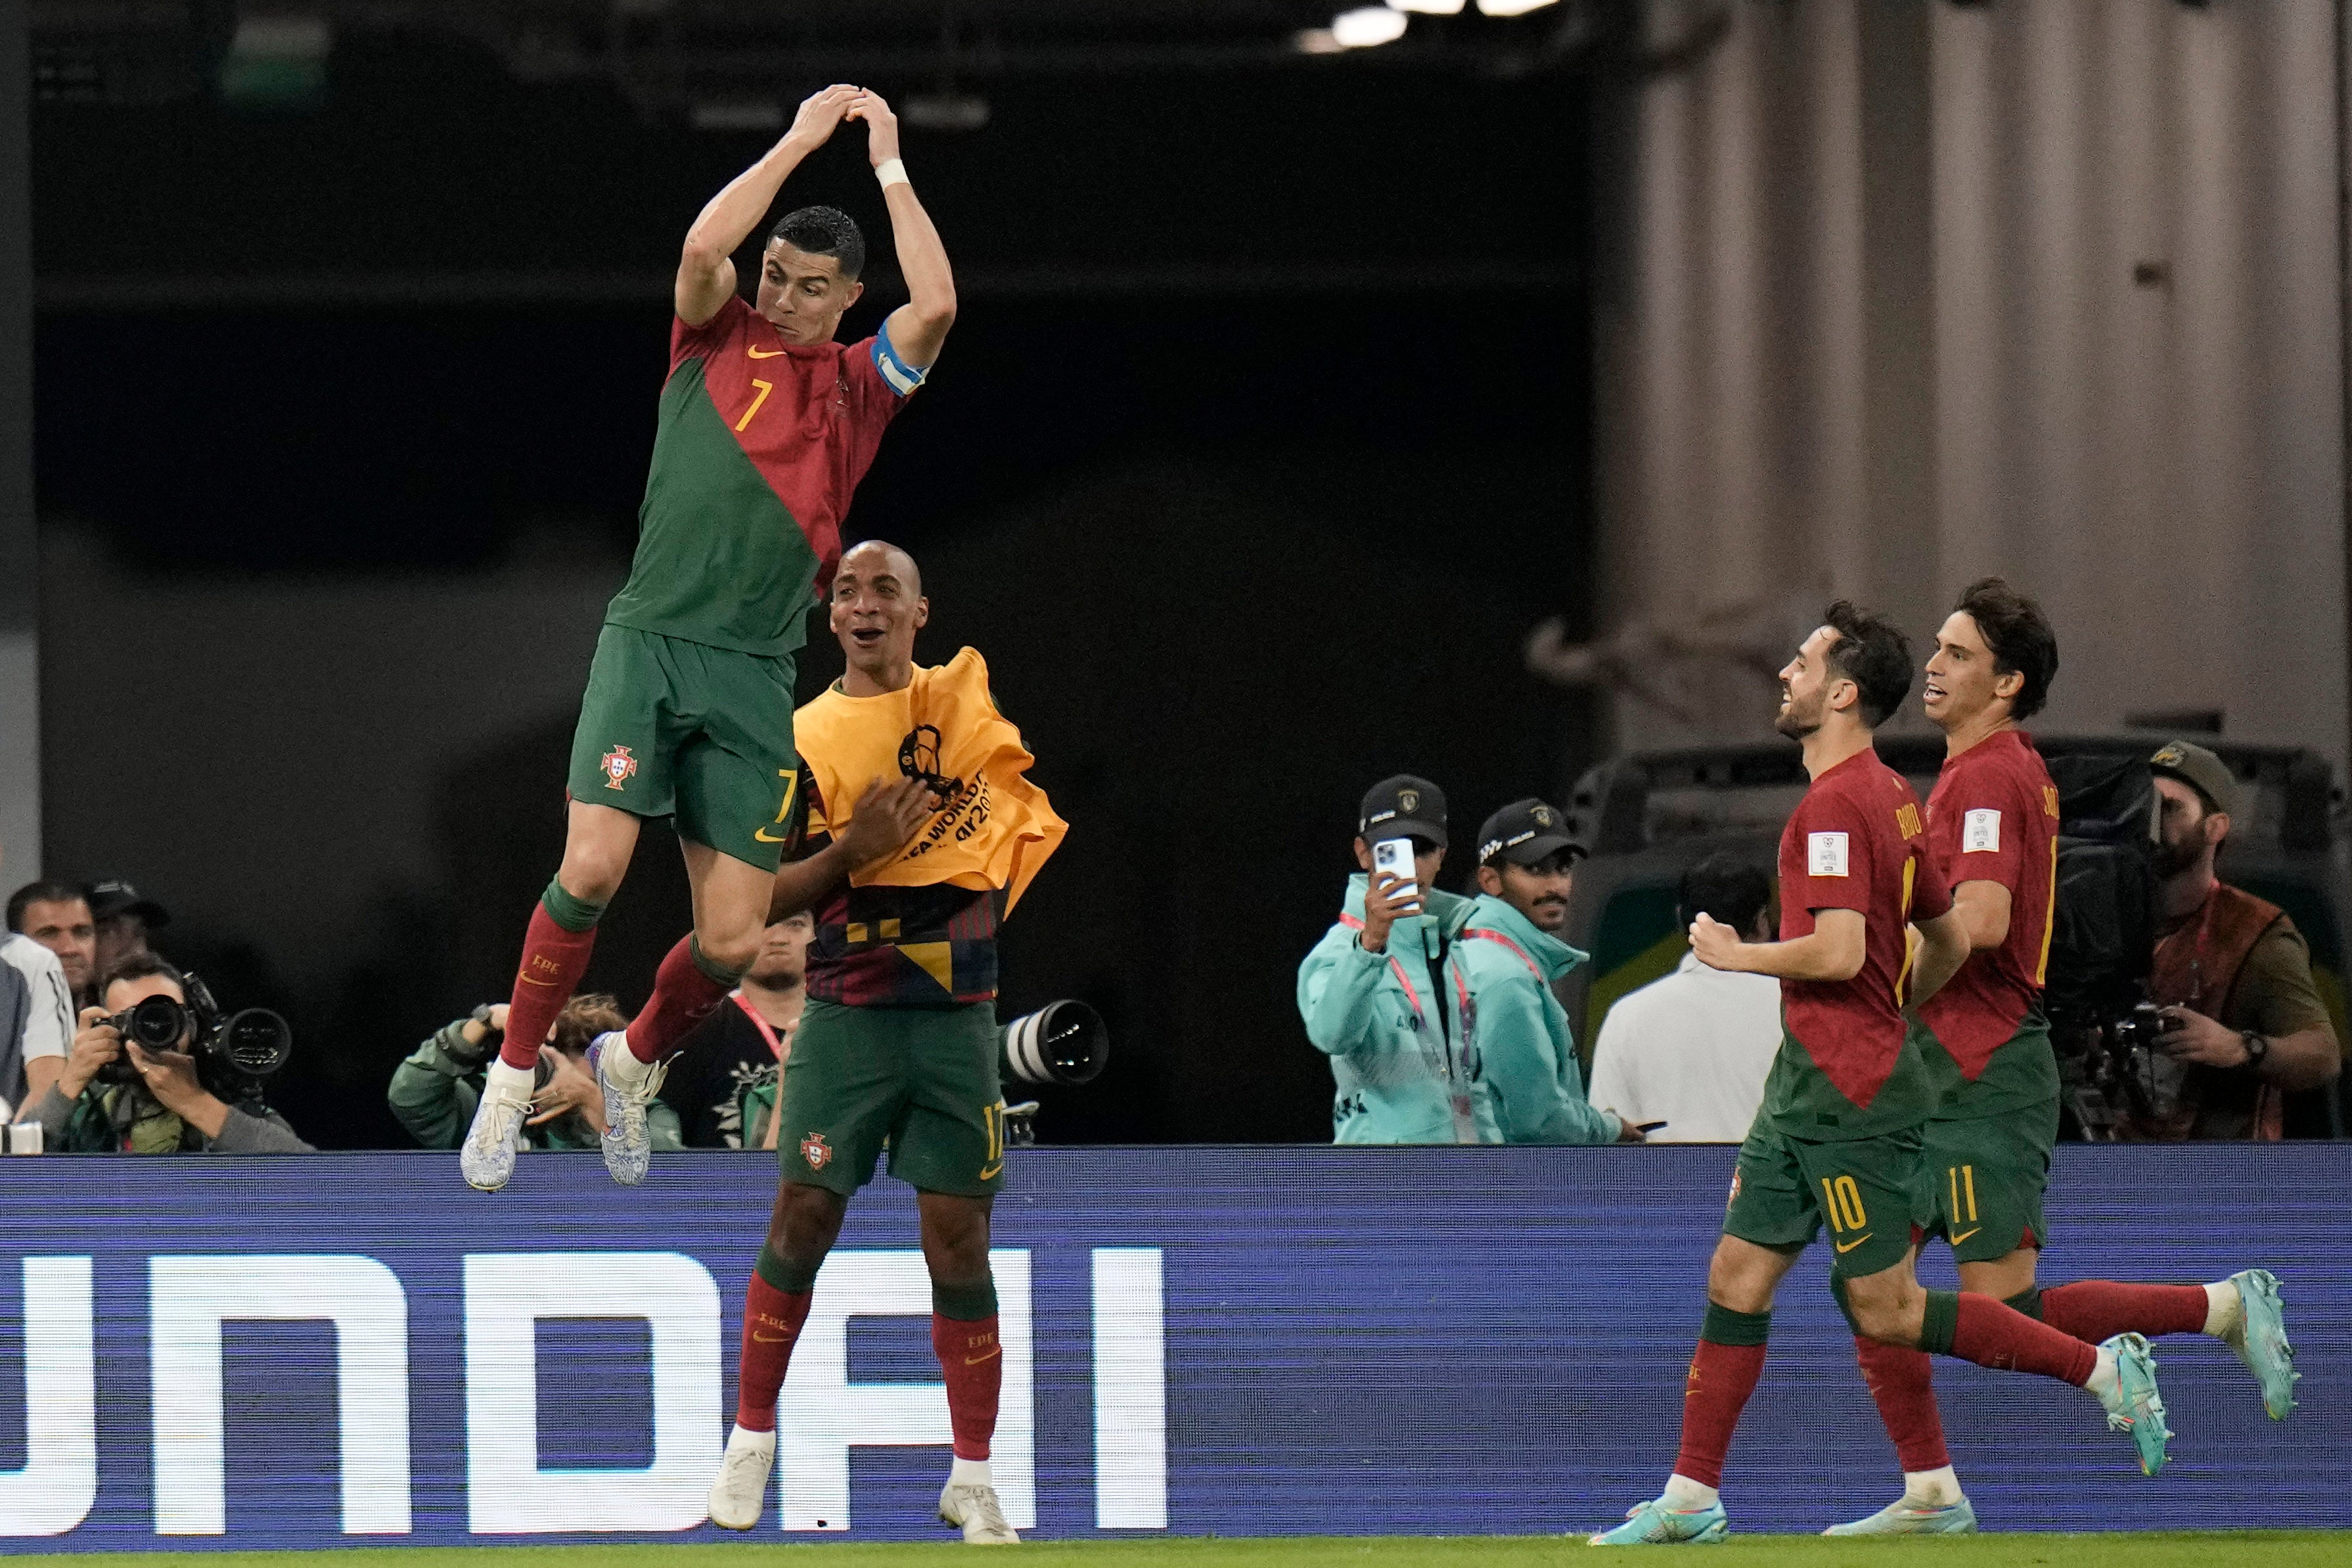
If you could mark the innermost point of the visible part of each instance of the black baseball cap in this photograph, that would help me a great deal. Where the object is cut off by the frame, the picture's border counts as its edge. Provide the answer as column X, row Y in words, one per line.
column 1524, row 833
column 2199, row 769
column 115, row 896
column 1402, row 806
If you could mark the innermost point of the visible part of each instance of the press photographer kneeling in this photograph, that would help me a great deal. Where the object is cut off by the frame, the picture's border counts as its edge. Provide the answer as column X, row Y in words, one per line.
column 173, row 1094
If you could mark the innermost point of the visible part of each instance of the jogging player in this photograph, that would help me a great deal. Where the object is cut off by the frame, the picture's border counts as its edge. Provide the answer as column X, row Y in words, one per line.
column 1839, row 1136
column 766, row 427
column 1992, row 825
column 897, row 1041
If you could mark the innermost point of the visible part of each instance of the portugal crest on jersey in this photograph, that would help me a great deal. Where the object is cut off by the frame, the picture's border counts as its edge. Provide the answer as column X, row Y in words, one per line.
column 816, row 1151
column 617, row 765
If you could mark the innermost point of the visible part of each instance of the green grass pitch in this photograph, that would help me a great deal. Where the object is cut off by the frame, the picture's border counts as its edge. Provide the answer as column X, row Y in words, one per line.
column 2239, row 1549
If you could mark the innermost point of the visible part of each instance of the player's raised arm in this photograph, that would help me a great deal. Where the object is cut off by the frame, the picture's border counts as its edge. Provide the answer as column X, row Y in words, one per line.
column 706, row 270
column 919, row 327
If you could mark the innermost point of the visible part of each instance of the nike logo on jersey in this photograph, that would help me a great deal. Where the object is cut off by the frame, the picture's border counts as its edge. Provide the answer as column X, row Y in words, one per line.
column 1849, row 1246
column 1961, row 1236
column 764, row 353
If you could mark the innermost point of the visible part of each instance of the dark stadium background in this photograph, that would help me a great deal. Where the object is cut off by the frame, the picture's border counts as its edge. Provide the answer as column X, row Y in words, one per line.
column 1258, row 447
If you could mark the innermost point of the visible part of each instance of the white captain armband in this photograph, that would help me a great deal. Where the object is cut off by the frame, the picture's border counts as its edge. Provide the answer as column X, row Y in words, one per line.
column 902, row 377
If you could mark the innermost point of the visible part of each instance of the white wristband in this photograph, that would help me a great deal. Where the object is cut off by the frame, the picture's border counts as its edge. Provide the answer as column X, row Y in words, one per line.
column 891, row 172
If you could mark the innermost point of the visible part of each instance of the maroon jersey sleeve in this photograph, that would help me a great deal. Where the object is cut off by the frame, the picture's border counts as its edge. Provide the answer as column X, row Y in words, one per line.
column 1981, row 828
column 699, row 342
column 1829, row 857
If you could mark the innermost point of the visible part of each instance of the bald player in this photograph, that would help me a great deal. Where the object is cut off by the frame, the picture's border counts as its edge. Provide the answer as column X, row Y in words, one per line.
column 766, row 427
column 897, row 1046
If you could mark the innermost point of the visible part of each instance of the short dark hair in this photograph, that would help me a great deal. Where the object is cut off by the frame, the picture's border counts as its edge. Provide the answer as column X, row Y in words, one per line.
column 1871, row 651
column 823, row 231
column 2019, row 634
column 48, row 891
column 1725, row 888
column 139, row 966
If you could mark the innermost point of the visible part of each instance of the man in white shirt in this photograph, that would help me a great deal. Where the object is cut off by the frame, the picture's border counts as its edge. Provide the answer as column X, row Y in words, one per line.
column 1692, row 1049
column 36, row 1019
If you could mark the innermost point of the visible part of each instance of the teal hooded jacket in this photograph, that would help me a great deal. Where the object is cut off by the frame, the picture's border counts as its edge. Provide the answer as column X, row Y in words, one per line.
column 1525, row 1045
column 1404, row 1060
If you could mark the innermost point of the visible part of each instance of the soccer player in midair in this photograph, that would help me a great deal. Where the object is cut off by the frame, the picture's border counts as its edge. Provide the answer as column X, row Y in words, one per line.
column 897, row 1043
column 766, row 427
column 1839, row 1136
column 1992, row 825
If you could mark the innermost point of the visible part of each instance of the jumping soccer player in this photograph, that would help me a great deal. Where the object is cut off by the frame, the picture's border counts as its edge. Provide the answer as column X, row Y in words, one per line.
column 897, row 1041
column 1992, row 825
column 766, row 427
column 1838, row 1137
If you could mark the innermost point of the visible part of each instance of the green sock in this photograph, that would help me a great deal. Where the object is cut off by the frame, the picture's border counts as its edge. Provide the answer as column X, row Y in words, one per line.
column 575, row 915
column 966, row 1302
column 717, row 974
column 1939, row 1322
column 2027, row 1300
column 793, row 1278
column 1724, row 1326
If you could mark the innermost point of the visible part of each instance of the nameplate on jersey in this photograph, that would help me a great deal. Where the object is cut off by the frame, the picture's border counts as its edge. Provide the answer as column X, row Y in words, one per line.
column 1981, row 833
column 1825, row 854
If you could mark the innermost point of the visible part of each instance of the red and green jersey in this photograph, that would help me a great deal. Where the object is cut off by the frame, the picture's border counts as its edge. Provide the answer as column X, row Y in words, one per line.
column 759, row 447
column 1993, row 817
column 1857, row 841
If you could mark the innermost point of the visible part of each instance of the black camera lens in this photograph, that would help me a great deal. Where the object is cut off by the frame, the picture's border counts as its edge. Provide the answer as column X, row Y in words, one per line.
column 1061, row 1042
column 256, row 1041
column 157, row 1023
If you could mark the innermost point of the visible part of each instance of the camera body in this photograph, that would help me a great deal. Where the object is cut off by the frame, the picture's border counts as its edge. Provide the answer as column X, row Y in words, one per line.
column 2108, row 1066
column 235, row 1053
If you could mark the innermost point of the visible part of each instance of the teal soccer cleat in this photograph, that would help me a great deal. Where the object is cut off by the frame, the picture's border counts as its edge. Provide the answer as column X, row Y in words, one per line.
column 1904, row 1516
column 1652, row 1523
column 2138, row 1409
column 2259, row 1339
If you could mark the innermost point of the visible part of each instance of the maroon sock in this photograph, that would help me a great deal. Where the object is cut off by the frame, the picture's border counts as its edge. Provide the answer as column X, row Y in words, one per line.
column 1721, row 1378
column 1993, row 1334
column 974, row 1364
column 2094, row 1310
column 553, row 960
column 772, row 1323
column 683, row 996
column 1902, row 1385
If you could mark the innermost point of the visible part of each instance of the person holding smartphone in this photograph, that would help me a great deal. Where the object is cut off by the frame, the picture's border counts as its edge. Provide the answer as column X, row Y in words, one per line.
column 1384, row 993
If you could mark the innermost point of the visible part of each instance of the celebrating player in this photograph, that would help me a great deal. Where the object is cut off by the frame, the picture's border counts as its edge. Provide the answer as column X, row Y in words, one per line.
column 1992, row 825
column 1838, row 1137
column 897, row 1041
column 766, row 427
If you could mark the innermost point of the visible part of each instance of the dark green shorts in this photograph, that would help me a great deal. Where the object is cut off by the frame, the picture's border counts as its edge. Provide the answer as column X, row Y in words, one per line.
column 922, row 1080
column 1872, row 1191
column 1989, row 1173
column 669, row 727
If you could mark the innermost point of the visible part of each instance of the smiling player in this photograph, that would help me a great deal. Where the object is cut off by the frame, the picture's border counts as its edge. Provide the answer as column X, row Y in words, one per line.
column 766, row 427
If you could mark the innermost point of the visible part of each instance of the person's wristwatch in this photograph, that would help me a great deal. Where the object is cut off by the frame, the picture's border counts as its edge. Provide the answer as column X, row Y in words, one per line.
column 2256, row 1049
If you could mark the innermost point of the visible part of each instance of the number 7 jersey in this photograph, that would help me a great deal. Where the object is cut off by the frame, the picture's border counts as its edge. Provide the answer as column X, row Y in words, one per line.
column 758, row 451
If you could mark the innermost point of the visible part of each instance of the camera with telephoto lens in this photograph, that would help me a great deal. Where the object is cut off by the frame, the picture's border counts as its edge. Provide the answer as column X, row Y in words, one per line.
column 235, row 1053
column 1063, row 1043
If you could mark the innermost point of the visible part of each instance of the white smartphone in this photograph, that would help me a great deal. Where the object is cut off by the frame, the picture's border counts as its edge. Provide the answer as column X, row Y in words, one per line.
column 1394, row 856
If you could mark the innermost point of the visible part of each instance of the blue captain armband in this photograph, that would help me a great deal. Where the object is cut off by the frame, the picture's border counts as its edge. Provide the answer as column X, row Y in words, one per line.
column 902, row 377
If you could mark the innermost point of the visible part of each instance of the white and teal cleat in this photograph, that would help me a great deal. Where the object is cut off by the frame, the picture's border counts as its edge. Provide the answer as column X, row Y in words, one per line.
column 629, row 1087
column 1904, row 1516
column 2259, row 1339
column 1652, row 1523
column 486, row 1157
column 2138, row 1409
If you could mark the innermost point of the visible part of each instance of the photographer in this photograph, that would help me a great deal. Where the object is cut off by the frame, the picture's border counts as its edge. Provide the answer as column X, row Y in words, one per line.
column 1380, row 994
column 434, row 1091
column 116, row 1097
column 2232, row 974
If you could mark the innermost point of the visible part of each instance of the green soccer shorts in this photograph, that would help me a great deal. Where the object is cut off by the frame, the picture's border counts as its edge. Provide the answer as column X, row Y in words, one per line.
column 1872, row 1192
column 921, row 1079
column 669, row 727
column 1989, row 1173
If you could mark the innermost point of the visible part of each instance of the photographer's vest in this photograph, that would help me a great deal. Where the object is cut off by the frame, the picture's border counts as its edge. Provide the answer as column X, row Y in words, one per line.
column 2198, row 967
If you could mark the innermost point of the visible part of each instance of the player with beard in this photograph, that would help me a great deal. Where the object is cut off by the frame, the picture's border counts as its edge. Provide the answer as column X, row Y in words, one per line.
column 766, row 427
column 897, row 1046
column 1839, row 1136
column 1992, row 825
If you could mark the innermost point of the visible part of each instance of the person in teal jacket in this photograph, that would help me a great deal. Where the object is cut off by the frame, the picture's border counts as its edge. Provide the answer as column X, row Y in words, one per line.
column 434, row 1091
column 1510, row 948
column 1382, row 993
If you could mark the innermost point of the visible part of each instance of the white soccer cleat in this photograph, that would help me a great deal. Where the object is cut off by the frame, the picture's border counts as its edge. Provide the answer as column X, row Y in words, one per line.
column 740, row 1493
column 975, row 1509
column 488, row 1155
column 629, row 1087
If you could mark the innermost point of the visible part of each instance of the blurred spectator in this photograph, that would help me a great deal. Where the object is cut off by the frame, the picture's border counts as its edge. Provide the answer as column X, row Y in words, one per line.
column 1692, row 1049
column 56, row 915
column 163, row 1107
column 722, row 1083
column 123, row 920
column 434, row 1091
column 2232, row 974
column 1382, row 993
column 1512, row 953
column 37, row 1017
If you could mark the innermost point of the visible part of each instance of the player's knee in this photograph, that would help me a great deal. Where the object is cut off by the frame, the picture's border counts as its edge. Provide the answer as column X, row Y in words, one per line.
column 807, row 1220
column 730, row 950
column 1881, row 1311
column 593, row 872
